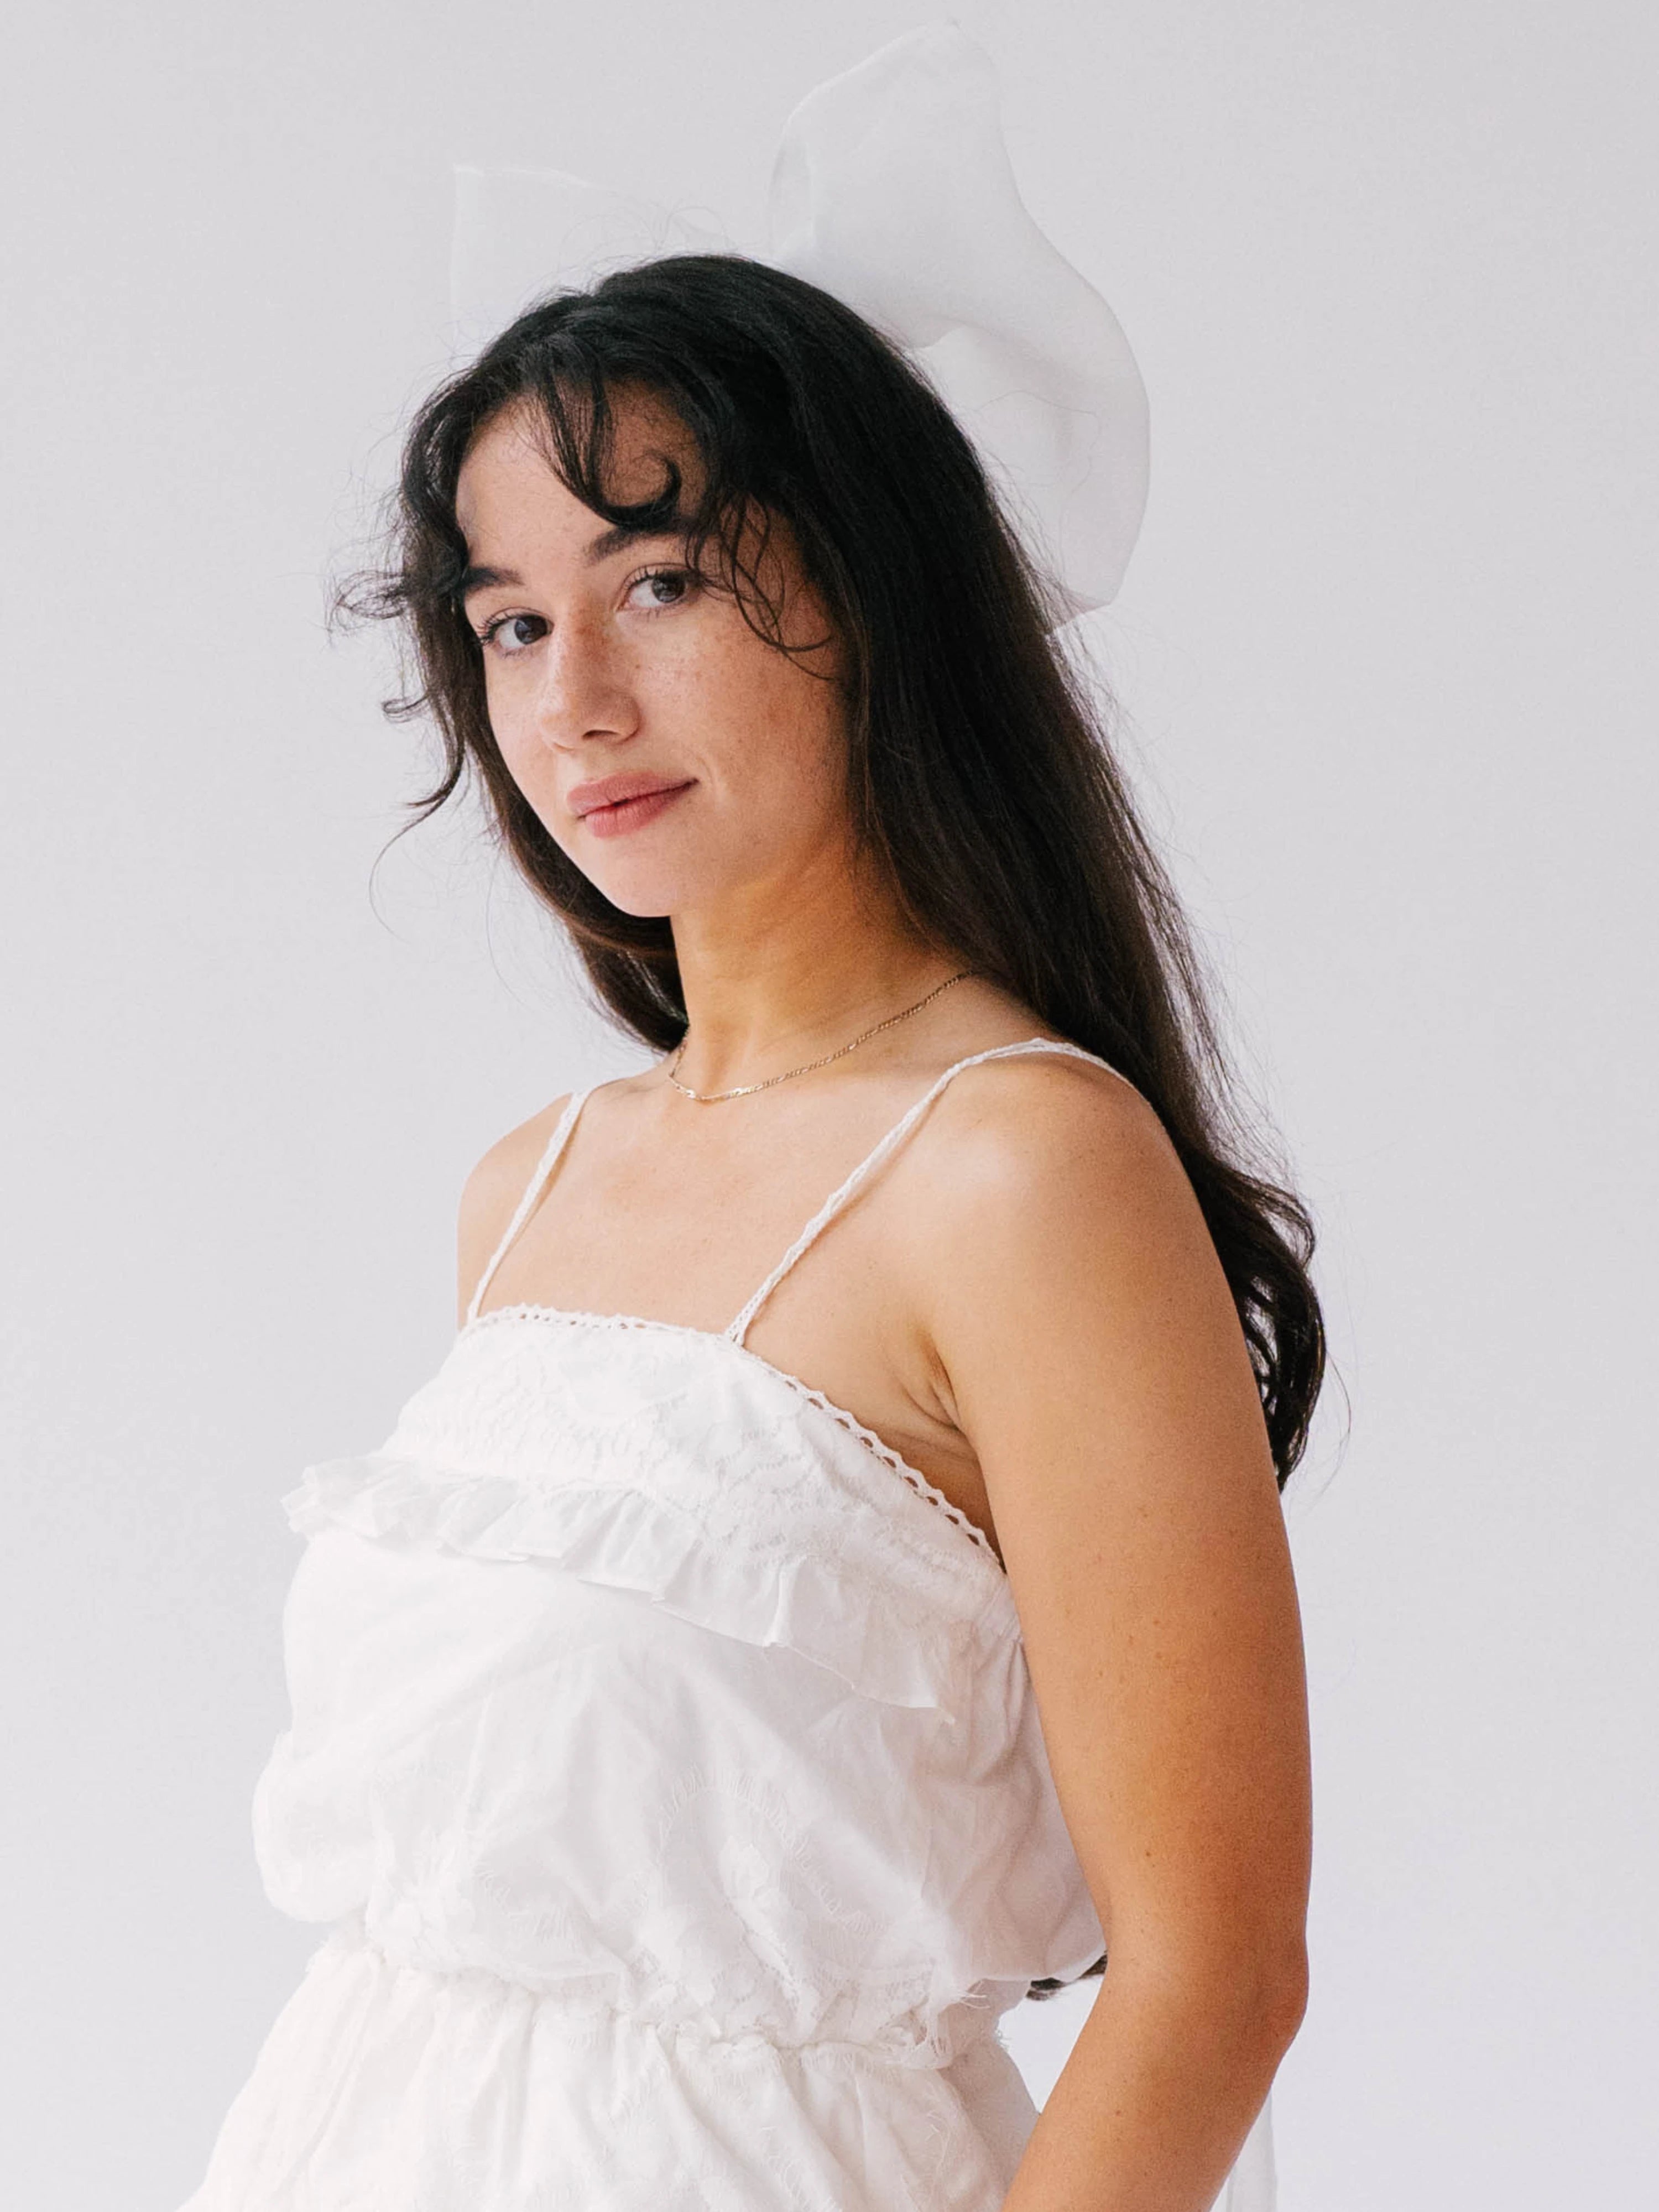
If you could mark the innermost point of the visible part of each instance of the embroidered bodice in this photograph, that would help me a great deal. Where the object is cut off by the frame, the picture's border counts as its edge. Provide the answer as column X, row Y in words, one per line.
column 665, row 1763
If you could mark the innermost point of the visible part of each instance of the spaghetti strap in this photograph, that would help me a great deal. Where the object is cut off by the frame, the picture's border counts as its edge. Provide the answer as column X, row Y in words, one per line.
column 532, row 1189
column 866, row 1167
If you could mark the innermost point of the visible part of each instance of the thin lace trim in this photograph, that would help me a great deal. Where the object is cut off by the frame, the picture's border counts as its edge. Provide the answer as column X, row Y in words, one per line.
column 874, row 1444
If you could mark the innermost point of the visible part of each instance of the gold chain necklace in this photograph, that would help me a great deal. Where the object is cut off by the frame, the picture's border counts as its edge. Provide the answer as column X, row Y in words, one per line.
column 743, row 1090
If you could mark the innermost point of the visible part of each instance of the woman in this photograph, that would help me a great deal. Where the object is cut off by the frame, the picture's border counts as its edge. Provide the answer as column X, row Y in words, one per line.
column 785, row 1631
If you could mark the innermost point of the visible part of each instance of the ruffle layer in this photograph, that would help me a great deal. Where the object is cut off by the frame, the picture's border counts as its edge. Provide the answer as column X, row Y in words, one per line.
column 883, row 1640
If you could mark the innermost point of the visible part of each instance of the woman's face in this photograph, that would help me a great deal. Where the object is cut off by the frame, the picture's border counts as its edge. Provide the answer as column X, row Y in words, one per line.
column 683, row 764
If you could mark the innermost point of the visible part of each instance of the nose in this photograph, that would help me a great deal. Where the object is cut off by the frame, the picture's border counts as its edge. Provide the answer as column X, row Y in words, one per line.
column 581, row 690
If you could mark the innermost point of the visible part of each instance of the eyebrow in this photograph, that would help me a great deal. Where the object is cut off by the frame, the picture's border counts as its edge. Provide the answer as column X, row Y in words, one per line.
column 616, row 539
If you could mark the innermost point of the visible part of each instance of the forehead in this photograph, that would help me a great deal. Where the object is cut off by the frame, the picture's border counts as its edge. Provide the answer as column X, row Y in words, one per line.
column 507, row 476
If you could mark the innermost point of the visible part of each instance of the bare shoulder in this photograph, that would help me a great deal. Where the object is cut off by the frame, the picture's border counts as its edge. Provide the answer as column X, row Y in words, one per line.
column 1075, row 1308
column 1056, row 1225
column 1030, row 1146
column 494, row 1188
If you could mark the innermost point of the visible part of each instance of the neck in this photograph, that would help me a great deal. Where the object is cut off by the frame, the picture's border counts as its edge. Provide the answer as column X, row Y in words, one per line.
column 799, row 970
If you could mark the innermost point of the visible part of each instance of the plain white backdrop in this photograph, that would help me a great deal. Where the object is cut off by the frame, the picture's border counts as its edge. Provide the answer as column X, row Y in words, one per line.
column 1386, row 655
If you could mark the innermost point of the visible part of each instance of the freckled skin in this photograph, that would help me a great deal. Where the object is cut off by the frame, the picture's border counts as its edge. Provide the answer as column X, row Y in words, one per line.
column 618, row 675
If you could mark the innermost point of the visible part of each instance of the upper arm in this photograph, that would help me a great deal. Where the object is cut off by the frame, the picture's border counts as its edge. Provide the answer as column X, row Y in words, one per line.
column 1090, row 1349
column 489, row 1195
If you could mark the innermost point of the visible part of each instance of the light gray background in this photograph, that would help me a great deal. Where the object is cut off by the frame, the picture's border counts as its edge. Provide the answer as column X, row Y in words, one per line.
column 1387, row 649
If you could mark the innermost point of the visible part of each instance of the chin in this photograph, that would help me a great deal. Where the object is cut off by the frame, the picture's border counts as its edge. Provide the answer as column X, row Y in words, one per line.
column 647, row 894
column 655, row 886
column 641, row 906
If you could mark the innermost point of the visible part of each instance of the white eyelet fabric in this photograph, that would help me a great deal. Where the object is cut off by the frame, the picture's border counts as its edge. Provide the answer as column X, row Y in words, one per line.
column 665, row 1768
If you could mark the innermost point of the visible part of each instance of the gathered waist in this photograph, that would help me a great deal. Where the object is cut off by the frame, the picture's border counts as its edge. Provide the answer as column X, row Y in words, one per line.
column 585, row 2010
column 390, row 2082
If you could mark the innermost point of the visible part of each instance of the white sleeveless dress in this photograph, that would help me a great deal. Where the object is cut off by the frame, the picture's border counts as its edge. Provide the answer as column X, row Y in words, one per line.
column 663, row 1758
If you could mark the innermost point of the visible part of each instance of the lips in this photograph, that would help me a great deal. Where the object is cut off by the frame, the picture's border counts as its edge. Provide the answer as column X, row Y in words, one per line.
column 616, row 805
column 586, row 799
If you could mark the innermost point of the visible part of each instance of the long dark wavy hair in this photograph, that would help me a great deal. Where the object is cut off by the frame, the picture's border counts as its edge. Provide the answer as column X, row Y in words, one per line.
column 979, row 776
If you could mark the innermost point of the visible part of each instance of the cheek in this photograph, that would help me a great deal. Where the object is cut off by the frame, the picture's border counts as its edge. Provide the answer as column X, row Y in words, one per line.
column 783, row 732
column 506, row 706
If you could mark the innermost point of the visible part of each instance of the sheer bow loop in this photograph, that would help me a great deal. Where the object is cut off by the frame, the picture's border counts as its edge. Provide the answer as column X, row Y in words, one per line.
column 891, row 190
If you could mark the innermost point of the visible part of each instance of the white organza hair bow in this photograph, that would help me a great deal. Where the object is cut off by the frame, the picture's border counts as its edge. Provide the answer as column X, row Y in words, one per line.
column 893, row 190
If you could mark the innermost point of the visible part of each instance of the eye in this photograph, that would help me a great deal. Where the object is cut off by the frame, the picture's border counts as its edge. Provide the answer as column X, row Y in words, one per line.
column 678, row 586
column 506, row 634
